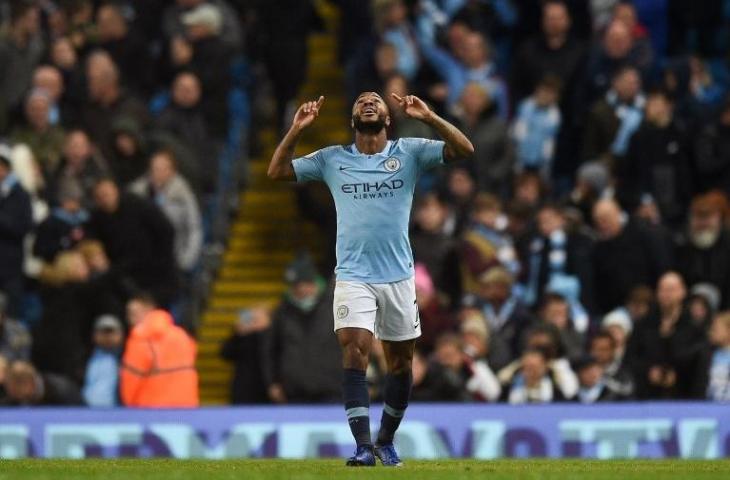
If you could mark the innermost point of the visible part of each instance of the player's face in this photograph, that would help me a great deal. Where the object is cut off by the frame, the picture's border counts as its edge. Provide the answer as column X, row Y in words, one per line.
column 370, row 113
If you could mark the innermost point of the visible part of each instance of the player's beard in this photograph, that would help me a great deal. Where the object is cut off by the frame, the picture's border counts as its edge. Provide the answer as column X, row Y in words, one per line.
column 369, row 128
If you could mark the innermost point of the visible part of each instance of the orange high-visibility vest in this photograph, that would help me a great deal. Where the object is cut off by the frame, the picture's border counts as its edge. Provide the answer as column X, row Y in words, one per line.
column 158, row 367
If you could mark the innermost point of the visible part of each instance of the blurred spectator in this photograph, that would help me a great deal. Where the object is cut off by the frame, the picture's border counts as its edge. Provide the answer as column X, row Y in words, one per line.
column 592, row 181
column 126, row 46
column 712, row 152
column 603, row 348
column 107, row 102
column 64, row 57
column 504, row 313
column 432, row 310
column 129, row 157
column 617, row 50
column 557, row 259
column 183, row 118
column 530, row 381
column 702, row 304
column 43, row 138
column 713, row 374
column 536, row 127
column 81, row 166
column 703, row 256
column 555, row 311
column 485, row 244
column 480, row 344
column 657, row 163
column 102, row 370
column 390, row 18
column 25, row 386
column 432, row 247
column 638, row 304
column 461, row 190
column 477, row 380
column 473, row 62
column 493, row 162
column 305, row 357
column 158, row 366
column 665, row 346
column 72, row 299
column 21, row 49
column 48, row 79
column 15, row 222
column 554, row 52
column 248, row 349
column 170, row 191
column 173, row 20
column 138, row 239
column 202, row 50
column 615, row 117
column 138, row 306
column 401, row 125
column 626, row 255
column 433, row 382
column 65, row 227
column 593, row 386
column 15, row 340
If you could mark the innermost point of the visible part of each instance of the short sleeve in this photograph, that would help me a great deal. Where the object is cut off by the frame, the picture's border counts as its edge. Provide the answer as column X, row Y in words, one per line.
column 428, row 153
column 310, row 167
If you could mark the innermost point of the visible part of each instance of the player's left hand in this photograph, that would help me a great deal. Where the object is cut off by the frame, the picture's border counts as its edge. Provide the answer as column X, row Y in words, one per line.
column 413, row 106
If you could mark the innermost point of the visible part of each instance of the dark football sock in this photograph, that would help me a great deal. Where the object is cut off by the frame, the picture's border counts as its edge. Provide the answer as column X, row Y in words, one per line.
column 397, row 392
column 357, row 405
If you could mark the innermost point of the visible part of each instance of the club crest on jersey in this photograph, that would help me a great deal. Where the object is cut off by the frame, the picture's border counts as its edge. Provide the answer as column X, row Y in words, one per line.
column 392, row 164
column 342, row 311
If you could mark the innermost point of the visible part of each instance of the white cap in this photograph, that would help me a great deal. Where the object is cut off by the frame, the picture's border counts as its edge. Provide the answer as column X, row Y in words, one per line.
column 205, row 14
column 619, row 317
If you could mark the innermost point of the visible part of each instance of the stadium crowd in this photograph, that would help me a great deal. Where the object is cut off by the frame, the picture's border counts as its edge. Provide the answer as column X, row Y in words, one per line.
column 582, row 254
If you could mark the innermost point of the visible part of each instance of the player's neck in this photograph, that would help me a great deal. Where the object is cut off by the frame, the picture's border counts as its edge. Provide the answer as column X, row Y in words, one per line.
column 370, row 143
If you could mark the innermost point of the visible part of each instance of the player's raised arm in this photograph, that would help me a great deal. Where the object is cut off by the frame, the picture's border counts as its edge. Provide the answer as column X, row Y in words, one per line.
column 457, row 145
column 280, row 167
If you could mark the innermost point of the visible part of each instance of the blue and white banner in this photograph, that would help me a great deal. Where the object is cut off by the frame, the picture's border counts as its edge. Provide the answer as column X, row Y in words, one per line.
column 637, row 430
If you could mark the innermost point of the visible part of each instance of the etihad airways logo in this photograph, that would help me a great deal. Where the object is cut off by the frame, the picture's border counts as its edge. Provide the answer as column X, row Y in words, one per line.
column 372, row 190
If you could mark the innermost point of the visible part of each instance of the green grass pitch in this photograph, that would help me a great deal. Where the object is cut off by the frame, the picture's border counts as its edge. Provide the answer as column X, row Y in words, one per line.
column 334, row 469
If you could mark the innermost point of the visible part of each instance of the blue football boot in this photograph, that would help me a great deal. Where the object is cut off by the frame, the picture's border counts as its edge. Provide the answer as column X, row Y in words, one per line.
column 364, row 457
column 387, row 455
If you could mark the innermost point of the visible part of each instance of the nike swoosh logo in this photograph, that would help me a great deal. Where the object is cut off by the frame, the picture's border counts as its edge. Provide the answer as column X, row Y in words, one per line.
column 344, row 168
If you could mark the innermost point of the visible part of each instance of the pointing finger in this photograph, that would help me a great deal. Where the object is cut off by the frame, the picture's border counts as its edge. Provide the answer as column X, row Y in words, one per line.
column 320, row 101
column 395, row 95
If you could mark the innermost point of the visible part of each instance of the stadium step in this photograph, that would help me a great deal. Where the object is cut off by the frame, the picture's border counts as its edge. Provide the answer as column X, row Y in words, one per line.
column 268, row 232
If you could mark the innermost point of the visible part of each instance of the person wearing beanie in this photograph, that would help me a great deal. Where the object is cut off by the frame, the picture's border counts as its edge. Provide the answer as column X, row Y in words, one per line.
column 65, row 227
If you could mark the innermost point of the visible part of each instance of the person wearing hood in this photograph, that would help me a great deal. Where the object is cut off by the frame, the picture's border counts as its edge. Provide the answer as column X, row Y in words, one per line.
column 128, row 160
column 704, row 255
column 305, row 357
column 65, row 227
column 158, row 366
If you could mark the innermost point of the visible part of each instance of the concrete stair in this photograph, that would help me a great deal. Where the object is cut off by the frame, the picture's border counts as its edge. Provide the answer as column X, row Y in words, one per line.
column 268, row 233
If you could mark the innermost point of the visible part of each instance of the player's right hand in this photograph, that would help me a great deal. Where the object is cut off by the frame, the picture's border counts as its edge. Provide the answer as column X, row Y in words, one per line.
column 306, row 113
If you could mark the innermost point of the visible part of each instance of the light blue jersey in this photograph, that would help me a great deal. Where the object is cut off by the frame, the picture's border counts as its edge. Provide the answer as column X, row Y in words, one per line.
column 373, row 196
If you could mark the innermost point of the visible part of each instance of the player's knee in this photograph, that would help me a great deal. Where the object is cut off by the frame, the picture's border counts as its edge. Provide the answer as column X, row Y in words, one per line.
column 400, row 365
column 355, row 355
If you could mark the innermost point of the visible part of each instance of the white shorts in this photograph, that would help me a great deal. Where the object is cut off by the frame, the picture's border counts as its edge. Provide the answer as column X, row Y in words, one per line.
column 388, row 310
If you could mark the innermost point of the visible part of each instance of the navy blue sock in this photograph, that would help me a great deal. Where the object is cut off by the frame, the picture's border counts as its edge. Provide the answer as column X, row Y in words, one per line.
column 397, row 392
column 357, row 405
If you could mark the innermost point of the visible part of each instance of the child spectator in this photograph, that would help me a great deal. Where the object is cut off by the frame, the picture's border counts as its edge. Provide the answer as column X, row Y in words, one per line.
column 102, row 369
column 536, row 128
